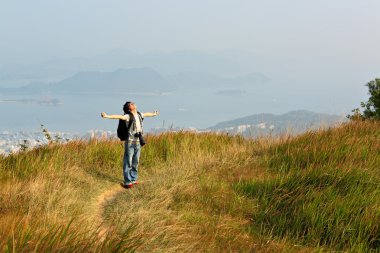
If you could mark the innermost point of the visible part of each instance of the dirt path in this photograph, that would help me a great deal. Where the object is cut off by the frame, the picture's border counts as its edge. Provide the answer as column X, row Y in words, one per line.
column 101, row 202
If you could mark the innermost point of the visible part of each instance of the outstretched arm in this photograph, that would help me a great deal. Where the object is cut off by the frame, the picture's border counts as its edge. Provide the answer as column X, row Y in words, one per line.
column 114, row 116
column 151, row 114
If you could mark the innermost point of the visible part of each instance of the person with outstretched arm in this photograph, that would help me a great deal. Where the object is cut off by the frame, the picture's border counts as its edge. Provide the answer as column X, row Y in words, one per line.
column 134, row 141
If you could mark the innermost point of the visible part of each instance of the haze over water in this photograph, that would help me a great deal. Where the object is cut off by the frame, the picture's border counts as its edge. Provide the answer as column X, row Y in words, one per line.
column 317, row 56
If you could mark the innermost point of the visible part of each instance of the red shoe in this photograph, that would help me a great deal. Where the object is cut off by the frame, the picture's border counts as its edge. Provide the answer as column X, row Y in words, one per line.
column 127, row 186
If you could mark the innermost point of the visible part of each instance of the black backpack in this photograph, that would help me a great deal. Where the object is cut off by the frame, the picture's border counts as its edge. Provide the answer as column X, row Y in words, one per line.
column 123, row 129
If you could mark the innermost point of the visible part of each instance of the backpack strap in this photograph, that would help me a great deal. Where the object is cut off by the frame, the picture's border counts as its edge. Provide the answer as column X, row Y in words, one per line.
column 141, row 117
column 141, row 121
column 130, row 121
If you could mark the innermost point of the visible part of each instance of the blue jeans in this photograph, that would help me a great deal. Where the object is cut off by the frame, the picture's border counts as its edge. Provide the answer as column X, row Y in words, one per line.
column 131, row 162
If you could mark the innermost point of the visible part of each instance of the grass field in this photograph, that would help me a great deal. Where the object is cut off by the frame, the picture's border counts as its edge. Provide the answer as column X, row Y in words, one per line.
column 317, row 192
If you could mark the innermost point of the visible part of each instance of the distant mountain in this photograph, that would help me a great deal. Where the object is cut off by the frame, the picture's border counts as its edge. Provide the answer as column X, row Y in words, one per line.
column 202, row 79
column 122, row 80
column 140, row 80
column 34, row 88
column 292, row 122
column 164, row 62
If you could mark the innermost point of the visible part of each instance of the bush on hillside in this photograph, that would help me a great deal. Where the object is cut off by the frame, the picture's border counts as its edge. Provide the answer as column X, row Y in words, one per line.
column 372, row 106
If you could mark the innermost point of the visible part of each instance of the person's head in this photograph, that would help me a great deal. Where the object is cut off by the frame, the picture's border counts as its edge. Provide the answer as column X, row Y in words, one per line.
column 129, row 107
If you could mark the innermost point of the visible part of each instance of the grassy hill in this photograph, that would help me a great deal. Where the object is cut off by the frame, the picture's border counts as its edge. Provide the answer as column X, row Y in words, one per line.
column 201, row 192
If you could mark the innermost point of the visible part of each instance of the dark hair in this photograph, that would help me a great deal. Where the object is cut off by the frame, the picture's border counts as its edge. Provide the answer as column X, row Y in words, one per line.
column 126, row 106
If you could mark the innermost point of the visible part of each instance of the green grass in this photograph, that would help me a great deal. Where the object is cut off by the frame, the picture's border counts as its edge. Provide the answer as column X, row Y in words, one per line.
column 325, row 189
column 201, row 193
column 354, row 145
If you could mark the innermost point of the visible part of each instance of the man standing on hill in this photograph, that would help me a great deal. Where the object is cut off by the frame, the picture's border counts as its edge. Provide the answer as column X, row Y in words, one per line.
column 132, row 146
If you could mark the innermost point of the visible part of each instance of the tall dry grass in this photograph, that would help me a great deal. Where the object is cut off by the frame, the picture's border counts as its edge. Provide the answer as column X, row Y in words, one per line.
column 46, row 189
column 324, row 191
column 200, row 192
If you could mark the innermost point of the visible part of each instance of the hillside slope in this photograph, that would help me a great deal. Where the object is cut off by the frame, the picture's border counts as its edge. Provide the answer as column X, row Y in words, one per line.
column 200, row 192
column 294, row 122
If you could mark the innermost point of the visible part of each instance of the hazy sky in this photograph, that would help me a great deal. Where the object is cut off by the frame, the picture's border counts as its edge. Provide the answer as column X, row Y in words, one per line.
column 326, row 42
column 321, row 53
column 341, row 30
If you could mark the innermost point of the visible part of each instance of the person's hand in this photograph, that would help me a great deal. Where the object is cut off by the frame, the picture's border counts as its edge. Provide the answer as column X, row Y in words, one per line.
column 103, row 114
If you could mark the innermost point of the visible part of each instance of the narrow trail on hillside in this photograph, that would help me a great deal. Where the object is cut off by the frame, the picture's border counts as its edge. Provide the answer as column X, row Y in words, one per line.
column 101, row 202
